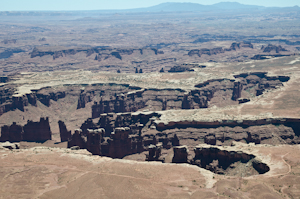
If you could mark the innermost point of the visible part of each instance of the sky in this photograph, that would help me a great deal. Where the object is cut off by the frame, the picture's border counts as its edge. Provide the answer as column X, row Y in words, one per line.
column 33, row 5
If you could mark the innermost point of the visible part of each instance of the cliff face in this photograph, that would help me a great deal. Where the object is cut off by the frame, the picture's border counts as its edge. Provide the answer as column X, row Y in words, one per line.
column 180, row 154
column 116, row 98
column 236, row 46
column 37, row 131
column 44, row 97
column 206, row 51
column 10, row 102
column 89, row 139
column 118, row 104
column 83, row 99
column 214, row 51
column 237, row 91
column 157, row 99
column 285, row 130
column 245, row 86
column 120, row 135
column 12, row 133
column 65, row 135
column 218, row 161
column 31, row 132
column 102, row 52
column 117, row 145
column 270, row 48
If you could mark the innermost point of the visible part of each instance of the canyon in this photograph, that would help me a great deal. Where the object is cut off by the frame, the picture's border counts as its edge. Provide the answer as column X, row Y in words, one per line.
column 126, row 104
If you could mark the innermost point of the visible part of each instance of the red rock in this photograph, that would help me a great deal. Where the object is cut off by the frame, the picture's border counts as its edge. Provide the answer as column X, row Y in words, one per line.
column 180, row 154
column 37, row 131
column 65, row 135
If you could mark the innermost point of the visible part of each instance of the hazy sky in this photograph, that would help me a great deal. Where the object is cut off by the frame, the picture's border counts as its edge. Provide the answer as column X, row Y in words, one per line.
column 11, row 5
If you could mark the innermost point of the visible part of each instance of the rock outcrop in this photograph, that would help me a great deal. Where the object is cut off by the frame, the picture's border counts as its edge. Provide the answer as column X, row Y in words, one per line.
column 154, row 153
column 215, row 51
column 93, row 141
column 45, row 95
column 268, row 56
column 65, row 135
column 237, row 90
column 157, row 99
column 117, row 145
column 235, row 46
column 245, row 86
column 219, row 161
column 31, row 132
column 12, row 133
column 259, row 166
column 9, row 101
column 89, row 139
column 83, row 99
column 265, row 131
column 222, row 91
column 120, row 98
column 37, row 131
column 122, row 135
column 102, row 53
column 77, row 139
column 180, row 154
column 206, row 51
column 178, row 69
column 270, row 48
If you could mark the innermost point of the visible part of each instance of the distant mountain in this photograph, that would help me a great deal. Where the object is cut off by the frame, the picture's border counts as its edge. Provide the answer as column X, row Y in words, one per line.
column 233, row 7
column 175, row 7
column 183, row 7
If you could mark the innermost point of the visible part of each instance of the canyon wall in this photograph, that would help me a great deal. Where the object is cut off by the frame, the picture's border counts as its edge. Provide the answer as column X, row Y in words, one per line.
column 120, row 98
column 31, row 132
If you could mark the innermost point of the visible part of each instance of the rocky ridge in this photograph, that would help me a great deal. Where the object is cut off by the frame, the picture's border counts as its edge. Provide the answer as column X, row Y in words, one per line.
column 102, row 53
column 215, row 51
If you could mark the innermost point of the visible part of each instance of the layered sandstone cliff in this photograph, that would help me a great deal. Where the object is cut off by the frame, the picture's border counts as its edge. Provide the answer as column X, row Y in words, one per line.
column 31, row 132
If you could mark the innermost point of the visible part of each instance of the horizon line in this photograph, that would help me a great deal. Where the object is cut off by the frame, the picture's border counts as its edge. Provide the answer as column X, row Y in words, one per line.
column 124, row 9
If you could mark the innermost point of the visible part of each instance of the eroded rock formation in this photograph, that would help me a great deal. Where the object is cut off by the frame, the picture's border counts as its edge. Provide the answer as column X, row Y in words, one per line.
column 221, row 161
column 65, row 135
column 121, row 98
column 157, row 99
column 37, row 131
column 102, row 53
column 12, row 133
column 180, row 154
column 271, row 48
column 268, row 131
column 154, row 153
column 177, row 69
column 31, row 132
column 206, row 51
column 9, row 101
column 229, row 91
column 122, row 135
column 215, row 51
column 235, row 46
